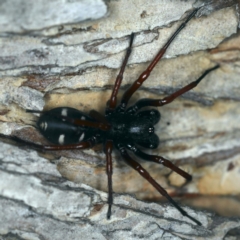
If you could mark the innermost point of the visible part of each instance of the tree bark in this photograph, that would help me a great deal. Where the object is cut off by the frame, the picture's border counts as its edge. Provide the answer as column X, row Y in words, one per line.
column 49, row 58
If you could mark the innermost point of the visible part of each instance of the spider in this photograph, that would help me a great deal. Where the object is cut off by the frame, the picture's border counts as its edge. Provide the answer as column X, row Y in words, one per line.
column 124, row 128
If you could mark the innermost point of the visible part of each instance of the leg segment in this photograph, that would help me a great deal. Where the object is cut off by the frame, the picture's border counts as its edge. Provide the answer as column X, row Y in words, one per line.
column 159, row 160
column 98, row 117
column 113, row 99
column 80, row 146
column 146, row 102
column 108, row 151
column 127, row 95
column 146, row 175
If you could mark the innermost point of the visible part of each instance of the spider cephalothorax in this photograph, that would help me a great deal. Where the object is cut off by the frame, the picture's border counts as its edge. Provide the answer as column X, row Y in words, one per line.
column 137, row 128
column 124, row 128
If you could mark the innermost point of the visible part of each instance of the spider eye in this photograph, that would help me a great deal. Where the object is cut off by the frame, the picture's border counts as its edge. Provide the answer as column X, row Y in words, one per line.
column 151, row 129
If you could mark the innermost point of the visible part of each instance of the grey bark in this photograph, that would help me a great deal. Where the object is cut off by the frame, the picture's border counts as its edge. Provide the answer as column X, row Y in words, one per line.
column 49, row 58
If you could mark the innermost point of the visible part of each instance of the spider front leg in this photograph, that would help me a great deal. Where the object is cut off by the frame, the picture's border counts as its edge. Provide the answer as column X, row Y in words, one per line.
column 145, row 74
column 135, row 165
column 111, row 104
column 146, row 102
column 159, row 160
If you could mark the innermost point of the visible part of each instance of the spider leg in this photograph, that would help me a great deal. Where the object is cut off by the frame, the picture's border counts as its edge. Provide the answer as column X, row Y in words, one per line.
column 34, row 111
column 111, row 104
column 98, row 116
column 146, row 102
column 80, row 122
column 108, row 151
column 80, row 146
column 127, row 95
column 159, row 160
column 135, row 165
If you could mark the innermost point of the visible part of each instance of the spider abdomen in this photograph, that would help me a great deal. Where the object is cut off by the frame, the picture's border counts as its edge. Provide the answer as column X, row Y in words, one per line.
column 55, row 126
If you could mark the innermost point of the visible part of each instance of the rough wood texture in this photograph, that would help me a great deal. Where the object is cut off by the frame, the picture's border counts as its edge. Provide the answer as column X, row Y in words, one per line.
column 37, row 203
column 44, row 66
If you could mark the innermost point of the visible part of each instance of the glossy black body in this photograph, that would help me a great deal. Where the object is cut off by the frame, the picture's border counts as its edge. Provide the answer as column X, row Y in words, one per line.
column 134, row 128
column 126, row 128
column 55, row 123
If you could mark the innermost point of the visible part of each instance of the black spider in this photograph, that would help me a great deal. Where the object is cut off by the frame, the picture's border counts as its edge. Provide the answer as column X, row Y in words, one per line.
column 123, row 128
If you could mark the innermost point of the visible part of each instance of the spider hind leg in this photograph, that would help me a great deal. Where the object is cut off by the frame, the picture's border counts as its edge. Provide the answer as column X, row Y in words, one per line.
column 136, row 166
